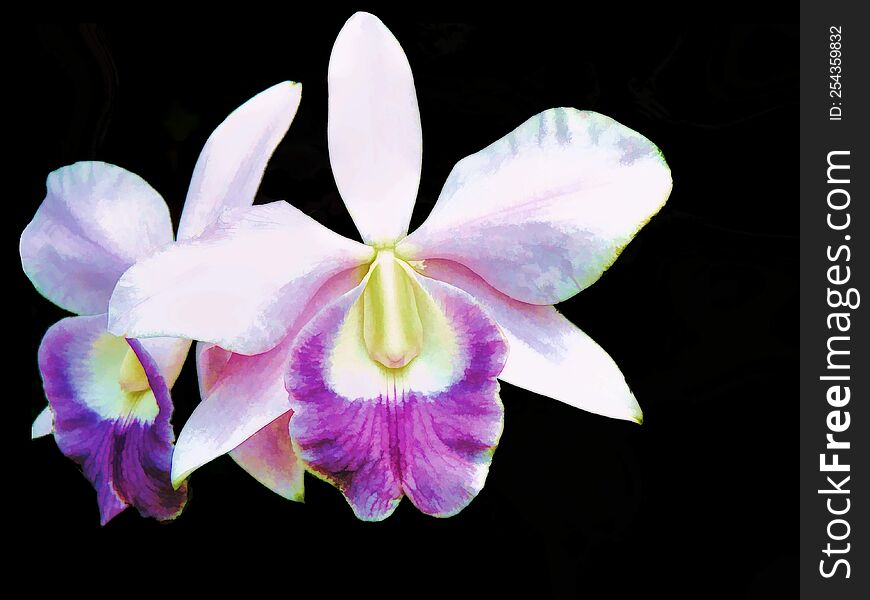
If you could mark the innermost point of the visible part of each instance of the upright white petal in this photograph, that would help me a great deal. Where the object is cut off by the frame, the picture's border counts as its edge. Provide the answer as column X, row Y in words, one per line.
column 375, row 140
column 231, row 164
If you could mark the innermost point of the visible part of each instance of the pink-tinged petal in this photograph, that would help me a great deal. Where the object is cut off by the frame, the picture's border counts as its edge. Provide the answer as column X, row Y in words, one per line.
column 426, row 431
column 375, row 140
column 122, row 439
column 234, row 158
column 243, row 394
column 543, row 212
column 210, row 363
column 269, row 457
column 549, row 355
column 43, row 424
column 241, row 285
column 247, row 397
column 96, row 220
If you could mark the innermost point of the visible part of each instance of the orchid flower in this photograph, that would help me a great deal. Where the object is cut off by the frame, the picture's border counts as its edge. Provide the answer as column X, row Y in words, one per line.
column 382, row 358
column 109, row 400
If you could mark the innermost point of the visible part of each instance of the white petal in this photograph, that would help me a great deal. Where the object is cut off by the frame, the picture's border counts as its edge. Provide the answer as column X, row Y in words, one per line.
column 548, row 354
column 244, row 394
column 96, row 220
column 231, row 164
column 246, row 400
column 240, row 286
column 43, row 424
column 375, row 140
column 543, row 212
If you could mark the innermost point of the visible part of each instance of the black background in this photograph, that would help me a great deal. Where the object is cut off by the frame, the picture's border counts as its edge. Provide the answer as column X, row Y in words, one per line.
column 700, row 312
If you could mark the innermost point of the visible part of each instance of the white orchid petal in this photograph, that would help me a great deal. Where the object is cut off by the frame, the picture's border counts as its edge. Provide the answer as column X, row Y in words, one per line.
column 244, row 394
column 375, row 140
column 96, row 220
column 43, row 424
column 246, row 400
column 543, row 212
column 231, row 164
column 548, row 354
column 240, row 286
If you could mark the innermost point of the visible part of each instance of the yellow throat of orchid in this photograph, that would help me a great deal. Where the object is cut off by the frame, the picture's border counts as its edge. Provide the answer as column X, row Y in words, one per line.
column 118, row 383
column 392, row 328
column 132, row 375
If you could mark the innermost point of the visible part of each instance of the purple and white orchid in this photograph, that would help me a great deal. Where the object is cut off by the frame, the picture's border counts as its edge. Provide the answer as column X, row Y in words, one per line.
column 109, row 400
column 382, row 358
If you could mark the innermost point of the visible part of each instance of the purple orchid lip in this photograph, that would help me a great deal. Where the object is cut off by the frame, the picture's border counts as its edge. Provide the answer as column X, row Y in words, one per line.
column 432, row 445
column 122, row 440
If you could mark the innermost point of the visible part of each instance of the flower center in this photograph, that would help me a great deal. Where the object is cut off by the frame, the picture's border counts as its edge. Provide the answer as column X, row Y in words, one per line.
column 132, row 375
column 392, row 328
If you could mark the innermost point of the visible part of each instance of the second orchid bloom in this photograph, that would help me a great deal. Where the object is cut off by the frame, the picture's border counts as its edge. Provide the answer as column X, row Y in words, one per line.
column 109, row 402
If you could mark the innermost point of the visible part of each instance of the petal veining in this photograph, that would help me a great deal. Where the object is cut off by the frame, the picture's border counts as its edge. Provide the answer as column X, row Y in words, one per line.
column 122, row 439
column 543, row 212
column 426, row 431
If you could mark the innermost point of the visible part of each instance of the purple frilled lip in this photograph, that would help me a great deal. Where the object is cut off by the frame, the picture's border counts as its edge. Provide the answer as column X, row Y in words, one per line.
column 433, row 447
column 125, row 451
